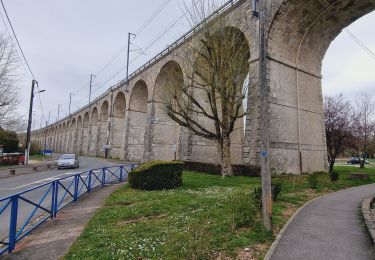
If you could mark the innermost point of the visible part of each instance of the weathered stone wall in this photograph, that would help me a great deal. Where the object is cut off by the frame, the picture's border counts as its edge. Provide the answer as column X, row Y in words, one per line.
column 135, row 126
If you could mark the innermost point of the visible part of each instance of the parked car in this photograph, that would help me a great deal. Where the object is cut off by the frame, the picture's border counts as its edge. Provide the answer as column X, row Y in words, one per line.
column 12, row 158
column 356, row 160
column 68, row 161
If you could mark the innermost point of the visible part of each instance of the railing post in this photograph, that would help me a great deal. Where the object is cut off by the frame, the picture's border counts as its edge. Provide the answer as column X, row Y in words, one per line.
column 89, row 184
column 76, row 182
column 103, row 176
column 56, row 206
column 121, row 177
column 53, row 199
column 13, row 224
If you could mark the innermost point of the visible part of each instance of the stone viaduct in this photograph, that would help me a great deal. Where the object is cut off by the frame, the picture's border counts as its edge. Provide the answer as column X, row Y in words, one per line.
column 129, row 117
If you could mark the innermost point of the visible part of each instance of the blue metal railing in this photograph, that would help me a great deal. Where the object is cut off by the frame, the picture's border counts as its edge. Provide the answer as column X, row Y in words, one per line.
column 23, row 212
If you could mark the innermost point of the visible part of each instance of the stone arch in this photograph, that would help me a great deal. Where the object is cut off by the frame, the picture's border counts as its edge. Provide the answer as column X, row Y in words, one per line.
column 79, row 134
column 136, row 122
column 103, row 126
column 60, row 138
column 94, row 116
column 119, row 105
column 93, row 131
column 104, row 111
column 118, row 125
column 86, row 120
column 64, row 137
column 73, row 126
column 233, row 47
column 72, row 136
column 85, row 133
column 299, row 36
column 162, row 143
column 139, row 97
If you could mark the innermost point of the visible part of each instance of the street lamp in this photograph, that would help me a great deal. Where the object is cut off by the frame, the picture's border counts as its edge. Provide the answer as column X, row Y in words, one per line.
column 27, row 150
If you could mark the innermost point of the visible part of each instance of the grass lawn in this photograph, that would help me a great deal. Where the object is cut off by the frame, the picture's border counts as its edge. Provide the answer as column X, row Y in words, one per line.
column 37, row 157
column 206, row 217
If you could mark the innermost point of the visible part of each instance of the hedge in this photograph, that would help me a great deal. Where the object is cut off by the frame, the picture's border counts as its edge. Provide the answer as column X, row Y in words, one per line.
column 215, row 169
column 157, row 175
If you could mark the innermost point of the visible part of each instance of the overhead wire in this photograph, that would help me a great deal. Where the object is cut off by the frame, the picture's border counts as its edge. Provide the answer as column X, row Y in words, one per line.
column 18, row 43
column 361, row 44
column 153, row 16
column 117, row 54
column 166, row 29
column 151, row 43
column 22, row 52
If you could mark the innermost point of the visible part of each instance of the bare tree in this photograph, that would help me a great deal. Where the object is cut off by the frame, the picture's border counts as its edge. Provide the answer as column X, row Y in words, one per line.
column 338, row 115
column 364, row 124
column 209, row 102
column 9, row 97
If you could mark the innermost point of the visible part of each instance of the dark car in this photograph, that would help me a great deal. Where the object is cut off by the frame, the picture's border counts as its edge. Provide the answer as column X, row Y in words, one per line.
column 356, row 160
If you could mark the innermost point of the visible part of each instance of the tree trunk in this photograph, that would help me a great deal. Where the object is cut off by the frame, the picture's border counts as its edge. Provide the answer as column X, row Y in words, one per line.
column 226, row 165
column 331, row 164
column 362, row 163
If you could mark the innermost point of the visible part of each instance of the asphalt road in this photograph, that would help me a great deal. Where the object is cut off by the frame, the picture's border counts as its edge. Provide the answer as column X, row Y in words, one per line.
column 13, row 185
column 330, row 227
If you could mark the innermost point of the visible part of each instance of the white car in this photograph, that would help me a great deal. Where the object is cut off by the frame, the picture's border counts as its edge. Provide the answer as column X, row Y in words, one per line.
column 68, row 161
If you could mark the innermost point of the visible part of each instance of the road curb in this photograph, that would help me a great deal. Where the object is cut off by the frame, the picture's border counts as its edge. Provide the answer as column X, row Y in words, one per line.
column 279, row 236
column 53, row 167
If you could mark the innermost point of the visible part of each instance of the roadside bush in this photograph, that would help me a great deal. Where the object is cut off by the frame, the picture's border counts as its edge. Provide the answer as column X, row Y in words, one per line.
column 313, row 181
column 9, row 140
column 244, row 212
column 215, row 169
column 257, row 193
column 156, row 175
column 334, row 176
column 276, row 189
column 34, row 148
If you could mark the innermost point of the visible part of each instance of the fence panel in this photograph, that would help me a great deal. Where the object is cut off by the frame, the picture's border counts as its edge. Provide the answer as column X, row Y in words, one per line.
column 23, row 212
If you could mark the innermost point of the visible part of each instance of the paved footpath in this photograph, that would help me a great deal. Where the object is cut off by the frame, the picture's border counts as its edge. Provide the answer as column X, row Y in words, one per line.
column 330, row 227
column 52, row 239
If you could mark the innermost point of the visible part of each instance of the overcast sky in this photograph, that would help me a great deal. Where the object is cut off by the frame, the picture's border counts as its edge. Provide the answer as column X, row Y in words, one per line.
column 66, row 41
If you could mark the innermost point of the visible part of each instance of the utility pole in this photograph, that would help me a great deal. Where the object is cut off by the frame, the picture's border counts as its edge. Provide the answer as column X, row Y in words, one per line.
column 28, row 133
column 34, row 123
column 45, row 136
column 58, row 112
column 70, row 101
column 127, row 59
column 264, row 118
column 91, row 79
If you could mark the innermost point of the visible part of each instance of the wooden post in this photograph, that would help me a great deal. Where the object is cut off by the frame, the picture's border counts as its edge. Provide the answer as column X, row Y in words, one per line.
column 264, row 118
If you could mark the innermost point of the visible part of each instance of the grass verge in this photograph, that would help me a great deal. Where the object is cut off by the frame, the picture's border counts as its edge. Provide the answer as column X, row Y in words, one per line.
column 207, row 217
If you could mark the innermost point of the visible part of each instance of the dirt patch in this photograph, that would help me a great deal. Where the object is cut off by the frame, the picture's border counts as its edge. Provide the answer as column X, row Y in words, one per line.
column 289, row 211
column 141, row 219
column 120, row 204
column 253, row 252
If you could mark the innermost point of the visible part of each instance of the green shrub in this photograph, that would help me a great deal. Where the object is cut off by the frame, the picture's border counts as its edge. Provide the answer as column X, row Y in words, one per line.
column 34, row 148
column 156, row 175
column 215, row 169
column 276, row 189
column 313, row 180
column 244, row 212
column 257, row 193
column 334, row 176
column 9, row 140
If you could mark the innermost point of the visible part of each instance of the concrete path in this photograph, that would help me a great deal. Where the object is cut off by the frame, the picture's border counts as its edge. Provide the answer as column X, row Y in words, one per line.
column 330, row 227
column 53, row 239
